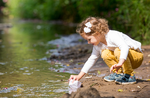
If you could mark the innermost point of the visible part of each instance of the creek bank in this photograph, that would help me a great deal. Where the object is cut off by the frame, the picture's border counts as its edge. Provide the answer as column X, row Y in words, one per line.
column 75, row 57
column 72, row 51
column 94, row 78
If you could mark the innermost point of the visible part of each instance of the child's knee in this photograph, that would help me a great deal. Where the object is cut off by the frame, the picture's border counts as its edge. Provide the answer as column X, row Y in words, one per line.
column 106, row 54
column 117, row 53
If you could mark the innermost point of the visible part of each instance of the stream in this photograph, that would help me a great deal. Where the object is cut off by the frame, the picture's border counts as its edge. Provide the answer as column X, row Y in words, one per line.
column 25, row 71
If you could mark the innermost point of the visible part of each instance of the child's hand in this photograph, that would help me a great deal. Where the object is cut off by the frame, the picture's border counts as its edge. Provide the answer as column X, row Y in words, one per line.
column 74, row 78
column 115, row 66
column 77, row 77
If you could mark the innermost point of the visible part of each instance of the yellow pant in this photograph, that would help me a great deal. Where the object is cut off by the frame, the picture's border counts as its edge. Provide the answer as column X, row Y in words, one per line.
column 133, row 61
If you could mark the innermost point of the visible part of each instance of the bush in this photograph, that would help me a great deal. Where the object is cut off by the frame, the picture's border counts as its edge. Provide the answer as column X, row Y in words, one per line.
column 134, row 16
column 43, row 9
column 128, row 16
column 68, row 10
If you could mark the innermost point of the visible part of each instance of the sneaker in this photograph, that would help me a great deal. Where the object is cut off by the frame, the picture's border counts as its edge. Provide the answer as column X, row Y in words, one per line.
column 112, row 77
column 126, row 79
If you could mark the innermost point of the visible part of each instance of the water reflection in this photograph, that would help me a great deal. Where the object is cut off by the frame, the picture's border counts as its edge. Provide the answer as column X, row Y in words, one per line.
column 24, row 70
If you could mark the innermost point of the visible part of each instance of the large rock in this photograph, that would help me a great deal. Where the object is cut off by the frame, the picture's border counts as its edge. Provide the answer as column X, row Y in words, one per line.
column 86, row 92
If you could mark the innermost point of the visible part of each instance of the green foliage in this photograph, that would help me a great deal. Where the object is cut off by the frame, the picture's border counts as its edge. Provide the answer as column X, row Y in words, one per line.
column 44, row 10
column 68, row 10
column 100, row 8
column 2, row 3
column 134, row 16
column 128, row 16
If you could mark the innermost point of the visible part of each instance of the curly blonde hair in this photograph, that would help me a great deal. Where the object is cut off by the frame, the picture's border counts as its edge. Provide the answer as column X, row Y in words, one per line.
column 98, row 25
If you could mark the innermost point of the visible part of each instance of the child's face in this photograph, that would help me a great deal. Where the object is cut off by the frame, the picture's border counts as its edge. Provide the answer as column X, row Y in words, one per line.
column 92, row 39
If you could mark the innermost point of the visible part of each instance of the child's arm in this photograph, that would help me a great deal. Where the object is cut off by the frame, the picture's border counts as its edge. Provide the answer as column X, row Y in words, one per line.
column 89, row 63
column 91, row 60
column 119, row 41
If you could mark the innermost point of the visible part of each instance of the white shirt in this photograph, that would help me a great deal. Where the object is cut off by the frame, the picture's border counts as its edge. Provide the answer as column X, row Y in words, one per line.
column 114, row 39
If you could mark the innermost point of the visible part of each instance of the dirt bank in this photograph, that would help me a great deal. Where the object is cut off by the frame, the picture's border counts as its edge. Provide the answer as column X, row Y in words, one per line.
column 93, row 84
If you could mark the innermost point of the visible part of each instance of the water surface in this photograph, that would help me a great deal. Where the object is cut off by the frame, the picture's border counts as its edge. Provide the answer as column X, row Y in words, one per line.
column 24, row 69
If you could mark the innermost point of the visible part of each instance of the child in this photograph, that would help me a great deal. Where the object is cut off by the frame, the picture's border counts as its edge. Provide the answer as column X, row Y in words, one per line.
column 121, row 53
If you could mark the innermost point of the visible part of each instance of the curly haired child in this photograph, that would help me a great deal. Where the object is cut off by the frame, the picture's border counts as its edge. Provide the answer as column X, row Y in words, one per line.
column 121, row 53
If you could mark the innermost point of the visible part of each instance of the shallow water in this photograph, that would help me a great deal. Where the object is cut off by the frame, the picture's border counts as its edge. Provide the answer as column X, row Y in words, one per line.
column 24, row 69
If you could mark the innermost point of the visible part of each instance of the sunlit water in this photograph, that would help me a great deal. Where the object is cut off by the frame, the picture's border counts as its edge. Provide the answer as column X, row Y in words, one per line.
column 24, row 69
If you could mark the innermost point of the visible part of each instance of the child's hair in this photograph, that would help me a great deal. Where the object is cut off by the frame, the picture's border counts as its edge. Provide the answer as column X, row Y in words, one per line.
column 98, row 25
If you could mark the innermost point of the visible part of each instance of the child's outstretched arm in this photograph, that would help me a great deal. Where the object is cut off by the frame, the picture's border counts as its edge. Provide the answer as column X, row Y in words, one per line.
column 89, row 63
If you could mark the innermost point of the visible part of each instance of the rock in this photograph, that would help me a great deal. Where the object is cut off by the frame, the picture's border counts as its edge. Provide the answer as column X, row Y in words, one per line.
column 87, row 92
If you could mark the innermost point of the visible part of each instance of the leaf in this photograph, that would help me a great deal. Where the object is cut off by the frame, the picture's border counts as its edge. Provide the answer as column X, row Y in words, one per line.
column 98, row 72
column 51, row 92
column 147, row 79
column 79, row 49
column 19, row 90
column 71, row 60
column 138, row 87
column 135, row 72
column 93, row 84
column 120, row 90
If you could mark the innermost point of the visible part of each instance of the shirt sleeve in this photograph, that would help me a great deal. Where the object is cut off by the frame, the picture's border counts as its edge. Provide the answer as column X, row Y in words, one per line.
column 91, row 60
column 118, row 40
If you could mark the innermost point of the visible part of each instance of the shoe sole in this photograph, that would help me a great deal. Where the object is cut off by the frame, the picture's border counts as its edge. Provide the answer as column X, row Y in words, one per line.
column 109, row 80
column 125, row 82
